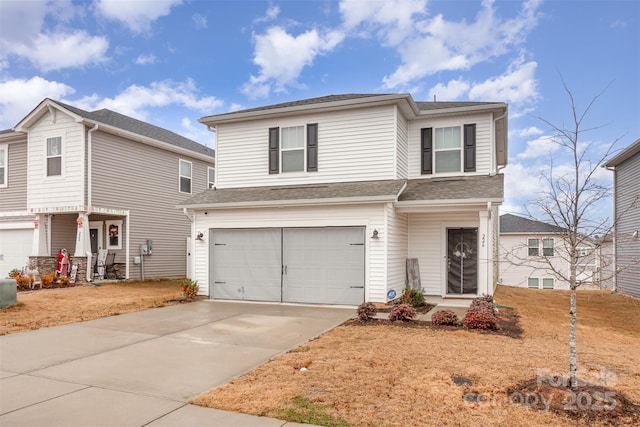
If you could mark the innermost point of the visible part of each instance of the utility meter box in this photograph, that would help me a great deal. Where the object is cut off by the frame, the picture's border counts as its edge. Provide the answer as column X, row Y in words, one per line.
column 147, row 248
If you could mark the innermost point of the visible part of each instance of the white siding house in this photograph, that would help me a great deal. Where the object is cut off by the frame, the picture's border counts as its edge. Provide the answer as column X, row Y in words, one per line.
column 354, row 185
column 91, row 181
column 626, row 168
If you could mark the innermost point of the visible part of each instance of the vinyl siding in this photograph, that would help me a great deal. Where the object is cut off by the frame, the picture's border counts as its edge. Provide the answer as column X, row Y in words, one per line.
column 397, row 247
column 356, row 145
column 484, row 140
column 627, row 190
column 14, row 196
column 426, row 234
column 402, row 148
column 63, row 233
column 369, row 216
column 64, row 190
column 145, row 180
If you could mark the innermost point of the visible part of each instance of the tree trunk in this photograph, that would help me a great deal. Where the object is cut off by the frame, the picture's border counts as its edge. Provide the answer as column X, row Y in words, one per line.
column 573, row 355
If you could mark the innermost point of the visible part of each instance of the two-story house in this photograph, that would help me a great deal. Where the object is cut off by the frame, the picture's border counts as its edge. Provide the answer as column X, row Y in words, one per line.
column 626, row 181
column 324, row 200
column 90, row 181
column 533, row 254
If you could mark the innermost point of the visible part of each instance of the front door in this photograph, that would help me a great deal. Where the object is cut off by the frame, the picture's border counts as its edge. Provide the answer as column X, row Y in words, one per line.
column 462, row 261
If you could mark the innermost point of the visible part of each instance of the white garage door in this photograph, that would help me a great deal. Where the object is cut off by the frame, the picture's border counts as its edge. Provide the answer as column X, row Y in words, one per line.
column 246, row 264
column 15, row 248
column 304, row 265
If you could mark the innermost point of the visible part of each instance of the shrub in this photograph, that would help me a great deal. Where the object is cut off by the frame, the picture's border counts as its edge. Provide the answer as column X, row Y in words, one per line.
column 444, row 317
column 23, row 282
column 413, row 297
column 367, row 310
column 47, row 279
column 402, row 312
column 189, row 288
column 64, row 281
column 483, row 302
column 480, row 319
column 14, row 273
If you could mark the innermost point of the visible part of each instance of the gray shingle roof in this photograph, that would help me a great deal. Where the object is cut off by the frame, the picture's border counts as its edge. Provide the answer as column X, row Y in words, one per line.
column 139, row 127
column 266, row 195
column 510, row 223
column 457, row 188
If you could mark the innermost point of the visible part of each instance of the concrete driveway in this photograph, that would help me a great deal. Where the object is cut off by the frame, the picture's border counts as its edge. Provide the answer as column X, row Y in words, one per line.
column 141, row 369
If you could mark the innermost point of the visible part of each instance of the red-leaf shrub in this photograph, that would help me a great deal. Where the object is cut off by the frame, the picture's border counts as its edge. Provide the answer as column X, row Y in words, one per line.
column 480, row 319
column 483, row 302
column 402, row 312
column 444, row 317
column 367, row 310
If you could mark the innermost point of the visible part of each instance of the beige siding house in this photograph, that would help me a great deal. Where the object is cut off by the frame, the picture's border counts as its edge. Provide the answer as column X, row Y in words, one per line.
column 626, row 168
column 98, row 181
column 325, row 200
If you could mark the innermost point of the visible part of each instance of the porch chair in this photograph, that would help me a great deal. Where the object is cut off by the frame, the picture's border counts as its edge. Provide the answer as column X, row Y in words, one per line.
column 110, row 266
column 99, row 265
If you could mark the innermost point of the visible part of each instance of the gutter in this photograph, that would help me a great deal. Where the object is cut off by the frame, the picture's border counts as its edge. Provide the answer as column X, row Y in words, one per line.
column 298, row 202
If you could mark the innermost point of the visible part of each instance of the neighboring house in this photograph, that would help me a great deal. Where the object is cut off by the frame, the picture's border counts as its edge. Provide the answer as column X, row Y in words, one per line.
column 626, row 172
column 533, row 255
column 87, row 181
column 323, row 200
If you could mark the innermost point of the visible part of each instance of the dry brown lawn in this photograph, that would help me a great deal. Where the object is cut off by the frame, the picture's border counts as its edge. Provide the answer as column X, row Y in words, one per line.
column 387, row 375
column 53, row 307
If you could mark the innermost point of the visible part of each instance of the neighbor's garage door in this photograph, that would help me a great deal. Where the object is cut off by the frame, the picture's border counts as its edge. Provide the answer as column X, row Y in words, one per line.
column 15, row 248
column 306, row 265
column 246, row 264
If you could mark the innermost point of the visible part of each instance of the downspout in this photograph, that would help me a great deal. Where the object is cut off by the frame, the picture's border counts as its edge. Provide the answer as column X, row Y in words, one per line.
column 614, row 288
column 89, row 201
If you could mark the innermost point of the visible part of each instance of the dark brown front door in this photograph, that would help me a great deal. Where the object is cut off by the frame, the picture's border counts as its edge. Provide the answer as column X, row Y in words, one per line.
column 462, row 261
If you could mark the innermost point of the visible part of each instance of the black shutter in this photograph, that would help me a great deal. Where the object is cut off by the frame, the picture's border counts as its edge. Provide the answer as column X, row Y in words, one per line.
column 470, row 148
column 274, row 150
column 426, row 151
column 312, row 147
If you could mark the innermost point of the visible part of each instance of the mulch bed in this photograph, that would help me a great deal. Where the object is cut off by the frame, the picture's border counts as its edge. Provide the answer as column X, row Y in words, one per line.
column 508, row 324
column 587, row 403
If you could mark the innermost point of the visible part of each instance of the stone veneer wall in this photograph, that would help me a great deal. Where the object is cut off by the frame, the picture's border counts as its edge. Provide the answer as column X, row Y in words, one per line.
column 48, row 264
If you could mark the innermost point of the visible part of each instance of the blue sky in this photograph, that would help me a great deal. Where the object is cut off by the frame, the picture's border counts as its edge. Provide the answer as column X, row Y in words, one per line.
column 170, row 62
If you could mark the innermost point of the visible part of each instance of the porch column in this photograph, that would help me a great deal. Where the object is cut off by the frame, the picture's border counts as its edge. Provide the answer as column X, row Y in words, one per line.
column 82, row 234
column 484, row 254
column 40, row 245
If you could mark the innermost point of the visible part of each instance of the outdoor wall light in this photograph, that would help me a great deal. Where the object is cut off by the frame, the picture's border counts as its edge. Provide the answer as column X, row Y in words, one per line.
column 375, row 234
column 635, row 234
column 200, row 236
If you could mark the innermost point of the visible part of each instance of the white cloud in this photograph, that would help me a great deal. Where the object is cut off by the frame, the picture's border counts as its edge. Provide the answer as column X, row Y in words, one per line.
column 200, row 21
column 540, row 147
column 197, row 132
column 517, row 85
column 282, row 57
column 438, row 45
column 24, row 35
column 19, row 96
column 530, row 131
column 136, row 100
column 137, row 15
column 453, row 90
column 521, row 182
column 271, row 14
column 146, row 59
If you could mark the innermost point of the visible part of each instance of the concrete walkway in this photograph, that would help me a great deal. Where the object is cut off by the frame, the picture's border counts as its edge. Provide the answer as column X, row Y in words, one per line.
column 141, row 369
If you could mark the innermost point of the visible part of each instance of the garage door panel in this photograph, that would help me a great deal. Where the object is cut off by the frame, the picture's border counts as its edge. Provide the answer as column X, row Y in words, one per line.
column 15, row 248
column 246, row 264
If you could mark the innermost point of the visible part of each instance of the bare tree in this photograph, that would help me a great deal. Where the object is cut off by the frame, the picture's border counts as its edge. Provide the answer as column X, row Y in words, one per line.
column 571, row 199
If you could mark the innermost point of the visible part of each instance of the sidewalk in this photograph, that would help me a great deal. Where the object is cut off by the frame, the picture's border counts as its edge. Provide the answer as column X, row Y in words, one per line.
column 142, row 369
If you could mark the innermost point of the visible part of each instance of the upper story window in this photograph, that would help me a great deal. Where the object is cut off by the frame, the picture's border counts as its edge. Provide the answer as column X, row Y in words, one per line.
column 293, row 150
column 547, row 247
column 185, row 176
column 4, row 165
column 54, row 156
column 211, row 176
column 534, row 247
column 448, row 150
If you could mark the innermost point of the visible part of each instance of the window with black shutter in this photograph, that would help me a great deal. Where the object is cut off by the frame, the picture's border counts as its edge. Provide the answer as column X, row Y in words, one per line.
column 426, row 149
column 470, row 148
column 312, row 147
column 274, row 150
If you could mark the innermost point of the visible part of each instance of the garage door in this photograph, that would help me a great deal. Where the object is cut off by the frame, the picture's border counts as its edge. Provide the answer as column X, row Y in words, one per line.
column 15, row 248
column 246, row 264
column 303, row 265
column 323, row 265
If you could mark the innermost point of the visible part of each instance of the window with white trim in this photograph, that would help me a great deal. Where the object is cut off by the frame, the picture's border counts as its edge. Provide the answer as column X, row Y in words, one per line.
column 548, row 283
column 541, row 283
column 547, row 247
column 211, row 177
column 534, row 247
column 448, row 149
column 54, row 156
column 185, row 176
column 4, row 166
column 292, row 149
column 533, row 283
